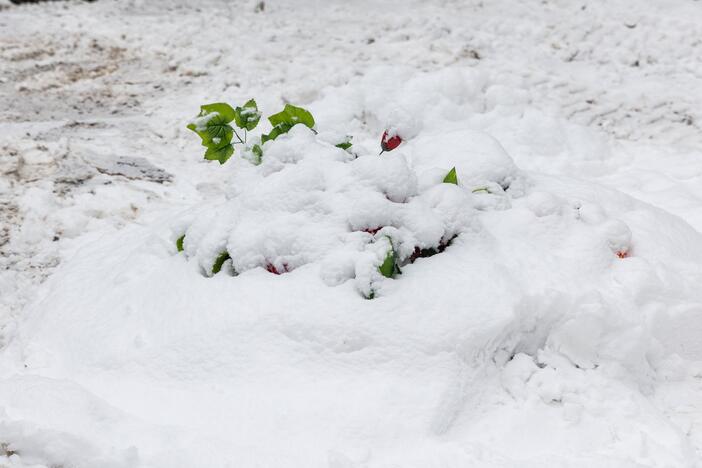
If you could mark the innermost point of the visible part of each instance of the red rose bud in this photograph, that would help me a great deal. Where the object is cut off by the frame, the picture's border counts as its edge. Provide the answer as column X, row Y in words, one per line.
column 389, row 143
column 272, row 269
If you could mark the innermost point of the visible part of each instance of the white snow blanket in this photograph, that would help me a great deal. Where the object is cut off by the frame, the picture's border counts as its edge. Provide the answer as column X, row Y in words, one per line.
column 558, row 323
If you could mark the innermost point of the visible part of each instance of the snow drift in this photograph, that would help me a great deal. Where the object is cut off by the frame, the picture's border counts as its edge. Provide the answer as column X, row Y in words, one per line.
column 530, row 340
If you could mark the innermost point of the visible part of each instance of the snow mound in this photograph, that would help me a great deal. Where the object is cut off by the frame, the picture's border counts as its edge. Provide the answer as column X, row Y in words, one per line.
column 531, row 339
column 312, row 202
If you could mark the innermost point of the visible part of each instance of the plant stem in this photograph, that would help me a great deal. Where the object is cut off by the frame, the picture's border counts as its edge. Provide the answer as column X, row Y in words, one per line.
column 237, row 135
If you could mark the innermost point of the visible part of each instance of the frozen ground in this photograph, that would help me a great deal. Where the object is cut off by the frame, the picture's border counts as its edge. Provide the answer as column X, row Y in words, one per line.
column 527, row 343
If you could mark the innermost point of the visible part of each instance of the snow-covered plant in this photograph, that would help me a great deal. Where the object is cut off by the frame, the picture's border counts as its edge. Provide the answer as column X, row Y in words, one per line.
column 213, row 125
column 359, row 216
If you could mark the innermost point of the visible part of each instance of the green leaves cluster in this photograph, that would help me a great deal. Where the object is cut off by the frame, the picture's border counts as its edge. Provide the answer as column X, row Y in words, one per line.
column 213, row 127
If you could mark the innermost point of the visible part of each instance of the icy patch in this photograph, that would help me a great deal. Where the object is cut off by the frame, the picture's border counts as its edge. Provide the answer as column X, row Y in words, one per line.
column 131, row 168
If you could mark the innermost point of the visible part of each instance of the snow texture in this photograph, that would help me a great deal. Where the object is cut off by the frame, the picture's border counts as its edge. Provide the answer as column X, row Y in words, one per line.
column 556, row 325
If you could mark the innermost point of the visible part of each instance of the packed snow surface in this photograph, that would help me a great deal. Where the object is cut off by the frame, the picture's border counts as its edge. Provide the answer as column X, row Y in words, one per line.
column 557, row 322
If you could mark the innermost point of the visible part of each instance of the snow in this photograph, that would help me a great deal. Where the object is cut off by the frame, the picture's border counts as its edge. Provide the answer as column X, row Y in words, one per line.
column 559, row 327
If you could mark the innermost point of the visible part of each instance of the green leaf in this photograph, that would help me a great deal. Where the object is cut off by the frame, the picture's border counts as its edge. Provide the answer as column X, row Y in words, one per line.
column 451, row 177
column 217, row 266
column 225, row 111
column 276, row 132
column 346, row 144
column 292, row 115
column 300, row 115
column 481, row 189
column 248, row 116
column 286, row 119
column 389, row 267
column 179, row 243
column 219, row 154
column 258, row 152
column 281, row 117
column 213, row 130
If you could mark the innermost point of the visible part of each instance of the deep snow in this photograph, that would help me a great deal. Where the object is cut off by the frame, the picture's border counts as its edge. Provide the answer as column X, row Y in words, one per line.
column 527, row 342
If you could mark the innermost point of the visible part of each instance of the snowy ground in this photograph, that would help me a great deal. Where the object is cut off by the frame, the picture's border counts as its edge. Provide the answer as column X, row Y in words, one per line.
column 527, row 343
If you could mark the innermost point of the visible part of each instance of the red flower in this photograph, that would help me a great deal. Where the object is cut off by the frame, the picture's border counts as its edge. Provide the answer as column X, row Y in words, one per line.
column 389, row 143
